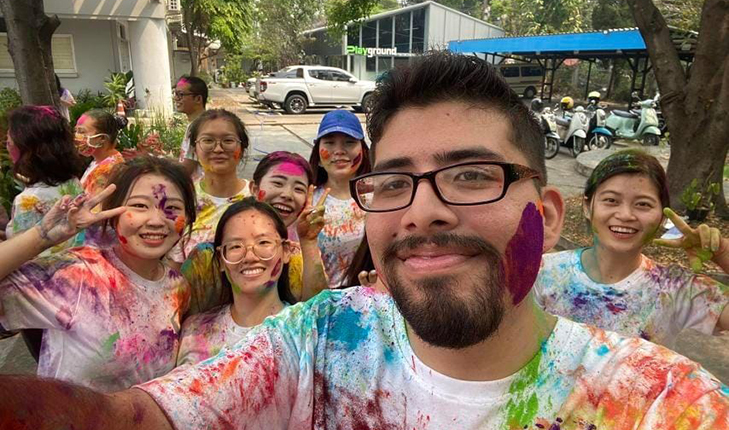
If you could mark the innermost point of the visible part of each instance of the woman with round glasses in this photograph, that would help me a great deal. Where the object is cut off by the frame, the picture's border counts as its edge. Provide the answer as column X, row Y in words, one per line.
column 96, row 133
column 219, row 139
column 251, row 257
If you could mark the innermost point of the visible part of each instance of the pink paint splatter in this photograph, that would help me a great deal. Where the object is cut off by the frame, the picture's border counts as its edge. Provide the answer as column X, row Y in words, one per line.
column 82, row 120
column 276, row 269
column 290, row 169
column 523, row 254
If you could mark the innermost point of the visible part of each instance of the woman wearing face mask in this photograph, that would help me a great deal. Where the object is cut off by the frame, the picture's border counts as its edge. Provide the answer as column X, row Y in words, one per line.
column 41, row 148
column 220, row 141
column 339, row 154
column 251, row 258
column 611, row 284
column 281, row 179
column 96, row 133
column 111, row 317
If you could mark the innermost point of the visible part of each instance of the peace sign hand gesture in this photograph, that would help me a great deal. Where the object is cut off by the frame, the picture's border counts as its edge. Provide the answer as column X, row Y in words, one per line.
column 311, row 218
column 68, row 216
column 702, row 244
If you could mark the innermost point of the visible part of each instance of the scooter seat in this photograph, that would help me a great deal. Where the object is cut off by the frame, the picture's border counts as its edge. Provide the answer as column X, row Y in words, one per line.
column 625, row 114
column 563, row 122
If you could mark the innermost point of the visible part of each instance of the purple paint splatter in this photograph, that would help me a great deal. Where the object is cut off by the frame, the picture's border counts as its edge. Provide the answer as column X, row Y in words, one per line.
column 523, row 254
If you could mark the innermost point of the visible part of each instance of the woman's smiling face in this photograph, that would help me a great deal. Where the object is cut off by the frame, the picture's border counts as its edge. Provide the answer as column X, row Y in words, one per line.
column 284, row 187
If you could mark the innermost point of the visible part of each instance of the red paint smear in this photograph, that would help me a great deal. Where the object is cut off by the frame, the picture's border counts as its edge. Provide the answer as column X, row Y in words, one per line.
column 325, row 155
column 237, row 153
column 357, row 160
column 523, row 254
column 180, row 224
column 123, row 239
column 276, row 269
column 261, row 194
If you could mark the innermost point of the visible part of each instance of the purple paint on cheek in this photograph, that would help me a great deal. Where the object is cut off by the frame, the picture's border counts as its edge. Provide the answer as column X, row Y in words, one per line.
column 523, row 254
column 160, row 194
column 290, row 169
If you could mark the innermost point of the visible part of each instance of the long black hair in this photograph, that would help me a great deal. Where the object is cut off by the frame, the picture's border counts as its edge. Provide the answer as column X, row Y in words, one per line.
column 250, row 203
column 362, row 262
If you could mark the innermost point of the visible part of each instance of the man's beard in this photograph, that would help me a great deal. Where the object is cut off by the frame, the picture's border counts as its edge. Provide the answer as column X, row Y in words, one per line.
column 433, row 306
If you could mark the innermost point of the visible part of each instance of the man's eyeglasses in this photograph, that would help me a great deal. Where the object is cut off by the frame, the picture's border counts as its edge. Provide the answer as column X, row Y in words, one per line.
column 235, row 251
column 464, row 184
column 181, row 94
column 208, row 144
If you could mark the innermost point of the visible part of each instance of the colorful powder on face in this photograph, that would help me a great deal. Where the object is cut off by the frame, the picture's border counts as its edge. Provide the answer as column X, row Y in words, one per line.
column 237, row 153
column 276, row 269
column 82, row 120
column 180, row 224
column 324, row 154
column 122, row 239
column 233, row 285
column 523, row 254
column 357, row 160
column 261, row 195
column 290, row 169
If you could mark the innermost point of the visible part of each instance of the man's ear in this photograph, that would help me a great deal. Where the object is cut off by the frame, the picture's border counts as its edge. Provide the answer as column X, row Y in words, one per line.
column 553, row 215
column 586, row 210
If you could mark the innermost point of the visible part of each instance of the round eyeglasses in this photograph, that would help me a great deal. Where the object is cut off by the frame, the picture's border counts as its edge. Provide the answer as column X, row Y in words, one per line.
column 235, row 251
column 464, row 184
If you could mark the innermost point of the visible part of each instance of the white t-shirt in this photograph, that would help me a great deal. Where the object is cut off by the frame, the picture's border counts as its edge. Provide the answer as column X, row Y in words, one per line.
column 654, row 302
column 342, row 360
column 105, row 327
column 343, row 231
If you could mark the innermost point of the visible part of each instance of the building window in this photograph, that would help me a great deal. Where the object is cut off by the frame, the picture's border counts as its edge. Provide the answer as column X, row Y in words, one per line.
column 383, row 64
column 353, row 35
column 369, row 34
column 531, row 71
column 64, row 58
column 419, row 30
column 386, row 32
column 370, row 68
column 510, row 71
column 402, row 32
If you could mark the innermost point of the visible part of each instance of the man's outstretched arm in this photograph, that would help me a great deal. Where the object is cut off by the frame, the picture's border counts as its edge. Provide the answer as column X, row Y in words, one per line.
column 28, row 402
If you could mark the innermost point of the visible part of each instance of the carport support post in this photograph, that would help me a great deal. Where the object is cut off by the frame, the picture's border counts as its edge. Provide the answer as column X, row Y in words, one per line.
column 587, row 84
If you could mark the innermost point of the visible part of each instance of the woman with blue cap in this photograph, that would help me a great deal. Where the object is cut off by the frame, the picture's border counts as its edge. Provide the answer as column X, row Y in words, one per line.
column 339, row 154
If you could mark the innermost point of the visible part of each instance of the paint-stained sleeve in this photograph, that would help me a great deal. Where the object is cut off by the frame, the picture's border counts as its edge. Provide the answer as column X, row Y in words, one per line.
column 296, row 274
column 43, row 293
column 700, row 302
column 264, row 382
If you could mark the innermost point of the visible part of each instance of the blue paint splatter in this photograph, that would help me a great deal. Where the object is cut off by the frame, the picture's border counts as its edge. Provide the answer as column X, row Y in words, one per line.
column 348, row 329
column 603, row 350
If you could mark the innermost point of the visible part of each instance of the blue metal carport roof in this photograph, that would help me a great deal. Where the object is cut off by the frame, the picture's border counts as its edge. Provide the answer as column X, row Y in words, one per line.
column 599, row 42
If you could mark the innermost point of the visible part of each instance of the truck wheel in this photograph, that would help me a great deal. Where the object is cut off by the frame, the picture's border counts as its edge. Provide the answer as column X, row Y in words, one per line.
column 295, row 104
column 366, row 103
column 530, row 92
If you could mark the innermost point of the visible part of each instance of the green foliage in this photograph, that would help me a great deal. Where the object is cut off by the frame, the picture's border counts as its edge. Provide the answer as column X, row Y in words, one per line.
column 609, row 14
column 469, row 7
column 696, row 196
column 130, row 136
column 224, row 20
column 340, row 12
column 116, row 85
column 526, row 17
column 233, row 69
column 9, row 186
column 169, row 130
column 85, row 101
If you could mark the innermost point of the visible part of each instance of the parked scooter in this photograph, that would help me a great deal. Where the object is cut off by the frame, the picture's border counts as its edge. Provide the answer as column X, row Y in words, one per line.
column 598, row 137
column 549, row 128
column 572, row 126
column 639, row 124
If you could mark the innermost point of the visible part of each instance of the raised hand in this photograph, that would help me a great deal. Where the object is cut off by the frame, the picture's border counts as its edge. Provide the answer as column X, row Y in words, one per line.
column 68, row 216
column 311, row 218
column 367, row 279
column 702, row 244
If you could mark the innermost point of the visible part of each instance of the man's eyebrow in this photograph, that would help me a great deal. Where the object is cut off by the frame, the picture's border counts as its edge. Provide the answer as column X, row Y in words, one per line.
column 451, row 157
column 395, row 163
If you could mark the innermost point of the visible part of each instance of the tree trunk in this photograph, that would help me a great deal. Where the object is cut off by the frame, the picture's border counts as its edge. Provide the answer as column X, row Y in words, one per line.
column 29, row 41
column 695, row 109
column 190, row 39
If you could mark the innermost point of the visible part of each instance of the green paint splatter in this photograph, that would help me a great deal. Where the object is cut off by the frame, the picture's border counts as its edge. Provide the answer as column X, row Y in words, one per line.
column 108, row 344
column 523, row 405
column 233, row 285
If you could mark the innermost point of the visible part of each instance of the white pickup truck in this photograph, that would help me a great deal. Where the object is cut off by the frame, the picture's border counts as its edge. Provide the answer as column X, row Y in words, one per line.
column 297, row 87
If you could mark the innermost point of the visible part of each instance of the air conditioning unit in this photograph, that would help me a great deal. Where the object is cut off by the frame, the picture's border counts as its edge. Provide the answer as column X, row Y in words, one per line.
column 173, row 5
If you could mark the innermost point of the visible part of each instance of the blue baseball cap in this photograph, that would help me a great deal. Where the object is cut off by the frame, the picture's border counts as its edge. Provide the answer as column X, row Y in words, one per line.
column 340, row 121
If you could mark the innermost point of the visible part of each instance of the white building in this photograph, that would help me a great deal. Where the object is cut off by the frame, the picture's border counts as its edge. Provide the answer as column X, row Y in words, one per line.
column 387, row 39
column 97, row 37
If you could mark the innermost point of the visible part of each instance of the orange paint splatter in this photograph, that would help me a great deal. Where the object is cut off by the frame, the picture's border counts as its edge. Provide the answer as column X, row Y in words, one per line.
column 180, row 224
column 324, row 154
column 540, row 207
column 237, row 153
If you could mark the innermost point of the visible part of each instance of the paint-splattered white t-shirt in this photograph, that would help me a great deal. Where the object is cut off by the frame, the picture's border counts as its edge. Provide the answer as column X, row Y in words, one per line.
column 343, row 231
column 105, row 327
column 342, row 360
column 654, row 302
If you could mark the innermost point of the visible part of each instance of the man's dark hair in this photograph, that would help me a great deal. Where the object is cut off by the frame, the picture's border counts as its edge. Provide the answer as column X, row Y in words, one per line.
column 442, row 76
column 45, row 142
column 197, row 87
